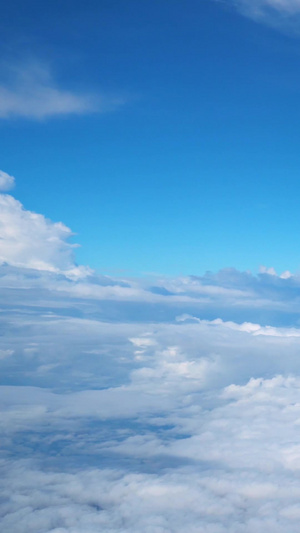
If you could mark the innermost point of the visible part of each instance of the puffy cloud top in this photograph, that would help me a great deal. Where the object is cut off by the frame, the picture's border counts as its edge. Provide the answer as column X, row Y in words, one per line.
column 29, row 240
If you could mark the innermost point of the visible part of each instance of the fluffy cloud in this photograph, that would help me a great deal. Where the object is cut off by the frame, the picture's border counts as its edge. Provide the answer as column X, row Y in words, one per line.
column 30, row 240
column 157, row 405
column 32, row 93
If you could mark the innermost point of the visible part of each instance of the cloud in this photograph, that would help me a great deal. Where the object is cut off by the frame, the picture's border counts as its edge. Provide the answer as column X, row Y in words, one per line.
column 32, row 93
column 281, row 6
column 7, row 182
column 29, row 240
column 278, row 13
column 229, row 465
column 156, row 405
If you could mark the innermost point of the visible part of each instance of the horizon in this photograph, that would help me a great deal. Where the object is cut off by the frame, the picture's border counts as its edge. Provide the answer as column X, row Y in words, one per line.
column 149, row 268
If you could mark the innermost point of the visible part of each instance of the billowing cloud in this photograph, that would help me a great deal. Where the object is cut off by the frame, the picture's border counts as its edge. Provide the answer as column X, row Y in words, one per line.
column 32, row 93
column 29, row 240
column 158, row 405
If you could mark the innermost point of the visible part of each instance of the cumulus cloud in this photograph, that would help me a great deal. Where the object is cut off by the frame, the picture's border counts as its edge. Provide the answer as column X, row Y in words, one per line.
column 158, row 405
column 32, row 93
column 29, row 240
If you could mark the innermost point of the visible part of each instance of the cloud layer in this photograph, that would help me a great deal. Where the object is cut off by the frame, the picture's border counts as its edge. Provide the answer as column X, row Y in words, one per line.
column 157, row 405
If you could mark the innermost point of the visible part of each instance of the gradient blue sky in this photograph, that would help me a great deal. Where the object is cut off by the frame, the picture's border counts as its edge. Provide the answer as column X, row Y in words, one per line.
column 191, row 163
column 165, row 134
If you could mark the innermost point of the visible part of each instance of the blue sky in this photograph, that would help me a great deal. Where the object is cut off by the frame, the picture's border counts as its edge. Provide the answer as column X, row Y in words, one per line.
column 150, row 379
column 183, row 153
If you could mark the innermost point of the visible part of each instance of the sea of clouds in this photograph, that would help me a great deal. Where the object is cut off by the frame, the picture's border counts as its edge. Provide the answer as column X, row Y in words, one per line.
column 151, row 405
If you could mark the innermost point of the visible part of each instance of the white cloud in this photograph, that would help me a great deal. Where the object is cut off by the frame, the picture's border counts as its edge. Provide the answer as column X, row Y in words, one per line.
column 29, row 240
column 282, row 6
column 153, row 405
column 32, row 93
column 229, row 466
column 265, row 270
column 7, row 182
column 271, row 270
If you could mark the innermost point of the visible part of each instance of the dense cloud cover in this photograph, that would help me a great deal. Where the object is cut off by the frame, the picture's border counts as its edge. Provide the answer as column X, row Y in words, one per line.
column 157, row 405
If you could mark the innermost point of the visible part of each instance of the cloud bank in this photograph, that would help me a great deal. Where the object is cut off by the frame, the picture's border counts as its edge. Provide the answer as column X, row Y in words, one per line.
column 158, row 405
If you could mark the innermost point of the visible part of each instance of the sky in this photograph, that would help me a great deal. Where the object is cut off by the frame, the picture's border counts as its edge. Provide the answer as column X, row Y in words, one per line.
column 165, row 134
column 149, row 268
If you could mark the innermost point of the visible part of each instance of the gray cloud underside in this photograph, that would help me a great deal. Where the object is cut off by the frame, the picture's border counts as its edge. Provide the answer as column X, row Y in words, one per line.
column 153, row 405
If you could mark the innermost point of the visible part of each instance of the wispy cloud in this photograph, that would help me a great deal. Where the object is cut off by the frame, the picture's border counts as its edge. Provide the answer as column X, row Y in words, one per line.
column 280, row 13
column 32, row 93
column 289, row 7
